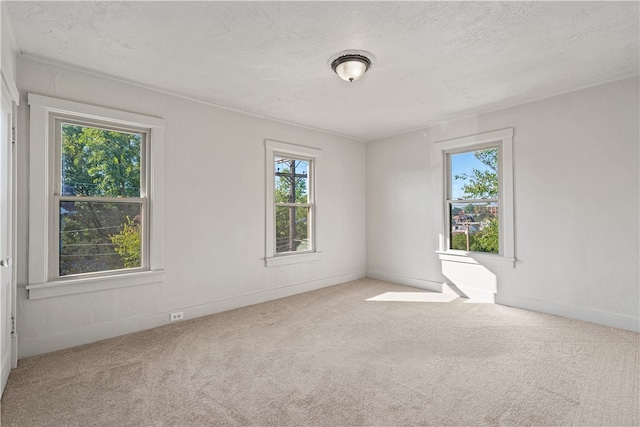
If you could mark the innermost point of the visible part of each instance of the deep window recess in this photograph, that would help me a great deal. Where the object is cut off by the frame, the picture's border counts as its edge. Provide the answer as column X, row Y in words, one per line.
column 96, row 198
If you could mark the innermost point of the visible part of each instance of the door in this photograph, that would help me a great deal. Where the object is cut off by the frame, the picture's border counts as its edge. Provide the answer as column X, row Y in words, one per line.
column 7, row 294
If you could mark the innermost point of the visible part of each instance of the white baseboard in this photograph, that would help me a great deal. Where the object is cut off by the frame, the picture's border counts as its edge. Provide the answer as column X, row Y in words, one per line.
column 405, row 280
column 614, row 320
column 96, row 333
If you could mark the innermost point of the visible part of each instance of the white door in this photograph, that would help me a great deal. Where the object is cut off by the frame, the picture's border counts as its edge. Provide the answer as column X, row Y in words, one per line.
column 6, row 241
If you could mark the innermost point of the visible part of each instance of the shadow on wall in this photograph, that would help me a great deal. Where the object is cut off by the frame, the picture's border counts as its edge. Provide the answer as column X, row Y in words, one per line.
column 473, row 280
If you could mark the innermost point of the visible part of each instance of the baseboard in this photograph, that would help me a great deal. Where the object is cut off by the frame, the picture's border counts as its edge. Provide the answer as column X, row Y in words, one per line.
column 110, row 330
column 614, row 320
column 405, row 280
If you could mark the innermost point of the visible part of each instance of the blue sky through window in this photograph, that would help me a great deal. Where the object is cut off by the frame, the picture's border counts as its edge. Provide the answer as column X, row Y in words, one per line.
column 463, row 163
column 282, row 164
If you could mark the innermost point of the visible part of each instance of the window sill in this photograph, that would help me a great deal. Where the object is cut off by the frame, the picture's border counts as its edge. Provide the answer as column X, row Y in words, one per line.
column 292, row 259
column 90, row 284
column 477, row 258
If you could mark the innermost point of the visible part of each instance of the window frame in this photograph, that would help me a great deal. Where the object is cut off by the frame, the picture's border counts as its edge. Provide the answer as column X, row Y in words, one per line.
column 46, row 116
column 503, row 141
column 143, row 200
column 449, row 190
column 281, row 149
column 309, row 205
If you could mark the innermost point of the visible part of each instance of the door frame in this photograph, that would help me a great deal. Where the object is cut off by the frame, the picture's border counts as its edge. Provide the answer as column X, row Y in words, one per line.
column 9, row 95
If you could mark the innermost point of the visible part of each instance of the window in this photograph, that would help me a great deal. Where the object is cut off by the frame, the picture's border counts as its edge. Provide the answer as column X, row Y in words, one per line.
column 291, row 206
column 91, row 178
column 478, row 201
column 473, row 200
column 99, row 198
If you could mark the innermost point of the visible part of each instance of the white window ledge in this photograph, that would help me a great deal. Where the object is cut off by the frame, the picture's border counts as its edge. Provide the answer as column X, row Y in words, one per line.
column 477, row 258
column 90, row 284
column 292, row 259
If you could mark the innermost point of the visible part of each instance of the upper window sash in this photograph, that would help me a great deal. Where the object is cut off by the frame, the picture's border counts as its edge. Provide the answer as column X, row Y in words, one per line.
column 57, row 120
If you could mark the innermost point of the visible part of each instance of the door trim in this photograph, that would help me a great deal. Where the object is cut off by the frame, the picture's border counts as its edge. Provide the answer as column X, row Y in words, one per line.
column 9, row 97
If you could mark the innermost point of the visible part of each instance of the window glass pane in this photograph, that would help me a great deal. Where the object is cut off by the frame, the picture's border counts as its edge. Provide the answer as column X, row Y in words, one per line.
column 291, row 180
column 474, row 227
column 96, row 236
column 292, row 229
column 474, row 175
column 99, row 163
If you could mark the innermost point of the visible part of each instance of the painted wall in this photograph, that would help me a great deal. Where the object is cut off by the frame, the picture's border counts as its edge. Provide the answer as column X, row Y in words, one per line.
column 576, row 202
column 214, row 218
column 576, row 206
column 7, row 46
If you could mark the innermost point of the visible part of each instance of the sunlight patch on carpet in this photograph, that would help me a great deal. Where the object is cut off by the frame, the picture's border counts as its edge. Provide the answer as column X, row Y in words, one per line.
column 414, row 297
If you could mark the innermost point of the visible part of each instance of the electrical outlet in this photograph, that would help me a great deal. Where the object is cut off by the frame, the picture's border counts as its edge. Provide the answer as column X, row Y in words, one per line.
column 176, row 316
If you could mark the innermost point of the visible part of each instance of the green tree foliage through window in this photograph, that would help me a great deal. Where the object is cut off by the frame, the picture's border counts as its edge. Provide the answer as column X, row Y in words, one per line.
column 94, row 235
column 292, row 209
column 127, row 243
column 100, row 163
column 482, row 183
column 475, row 226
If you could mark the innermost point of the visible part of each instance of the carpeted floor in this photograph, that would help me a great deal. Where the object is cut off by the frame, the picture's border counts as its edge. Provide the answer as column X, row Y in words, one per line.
column 330, row 357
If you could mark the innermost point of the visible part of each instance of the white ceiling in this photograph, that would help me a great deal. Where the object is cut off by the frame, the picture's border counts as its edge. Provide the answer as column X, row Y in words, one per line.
column 434, row 61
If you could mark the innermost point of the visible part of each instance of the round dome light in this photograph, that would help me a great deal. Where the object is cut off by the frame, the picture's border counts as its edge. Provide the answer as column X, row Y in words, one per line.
column 350, row 65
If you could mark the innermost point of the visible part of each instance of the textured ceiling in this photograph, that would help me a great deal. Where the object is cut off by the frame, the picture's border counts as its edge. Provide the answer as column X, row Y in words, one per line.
column 434, row 61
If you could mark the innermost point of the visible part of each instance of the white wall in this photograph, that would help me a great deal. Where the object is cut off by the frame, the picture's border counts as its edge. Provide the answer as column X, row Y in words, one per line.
column 576, row 203
column 214, row 218
column 7, row 46
column 576, row 178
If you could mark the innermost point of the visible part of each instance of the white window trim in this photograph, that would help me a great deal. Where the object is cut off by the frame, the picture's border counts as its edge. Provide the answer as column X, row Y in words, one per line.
column 274, row 148
column 504, row 140
column 42, row 165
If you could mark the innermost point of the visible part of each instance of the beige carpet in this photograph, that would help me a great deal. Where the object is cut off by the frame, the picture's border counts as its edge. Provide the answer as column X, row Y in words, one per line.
column 330, row 357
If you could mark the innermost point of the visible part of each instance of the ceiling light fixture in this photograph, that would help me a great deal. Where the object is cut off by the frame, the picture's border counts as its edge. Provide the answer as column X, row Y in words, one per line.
column 350, row 65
